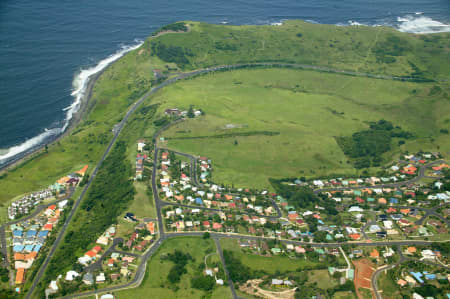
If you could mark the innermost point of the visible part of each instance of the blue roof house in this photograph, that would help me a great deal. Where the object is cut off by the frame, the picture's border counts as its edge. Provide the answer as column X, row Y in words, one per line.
column 31, row 233
column 417, row 276
column 18, row 248
column 43, row 233
column 29, row 248
column 17, row 233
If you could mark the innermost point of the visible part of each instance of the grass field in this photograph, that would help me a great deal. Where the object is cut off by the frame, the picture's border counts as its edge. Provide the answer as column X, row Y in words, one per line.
column 267, row 264
column 155, row 281
column 292, row 118
column 322, row 278
column 389, row 287
column 142, row 206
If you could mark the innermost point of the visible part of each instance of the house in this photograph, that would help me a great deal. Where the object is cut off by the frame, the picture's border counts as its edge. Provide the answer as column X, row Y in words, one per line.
column 20, row 276
column 404, row 222
column 276, row 250
column 388, row 224
column 91, row 254
column 70, row 275
column 102, row 240
column 355, row 209
column 374, row 228
column 88, row 278
column 428, row 254
column 100, row 278
column 217, row 226
column 84, row 260
column 206, row 224
column 417, row 276
column 411, row 250
column 402, row 282
column 128, row 259
column 374, row 254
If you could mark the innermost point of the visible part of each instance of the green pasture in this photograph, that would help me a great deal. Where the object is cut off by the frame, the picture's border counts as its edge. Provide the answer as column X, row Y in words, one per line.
column 155, row 280
column 263, row 123
column 269, row 265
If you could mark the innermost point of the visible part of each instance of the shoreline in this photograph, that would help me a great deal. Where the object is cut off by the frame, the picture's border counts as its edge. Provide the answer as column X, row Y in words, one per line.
column 85, row 106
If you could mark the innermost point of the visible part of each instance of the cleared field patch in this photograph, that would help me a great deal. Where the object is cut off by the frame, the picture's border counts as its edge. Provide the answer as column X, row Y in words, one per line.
column 363, row 273
column 262, row 123
column 269, row 265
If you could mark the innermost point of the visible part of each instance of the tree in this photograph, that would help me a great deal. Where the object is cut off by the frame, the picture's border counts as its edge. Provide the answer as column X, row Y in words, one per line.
column 190, row 113
column 205, row 283
column 206, row 235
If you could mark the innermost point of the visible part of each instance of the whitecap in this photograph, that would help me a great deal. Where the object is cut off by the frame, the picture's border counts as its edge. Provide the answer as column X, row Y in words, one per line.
column 421, row 25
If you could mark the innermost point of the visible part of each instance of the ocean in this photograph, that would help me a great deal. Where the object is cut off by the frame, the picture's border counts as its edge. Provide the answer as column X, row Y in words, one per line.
column 49, row 49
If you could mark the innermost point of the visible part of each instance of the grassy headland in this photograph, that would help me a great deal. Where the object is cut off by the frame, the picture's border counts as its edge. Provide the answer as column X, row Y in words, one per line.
column 349, row 48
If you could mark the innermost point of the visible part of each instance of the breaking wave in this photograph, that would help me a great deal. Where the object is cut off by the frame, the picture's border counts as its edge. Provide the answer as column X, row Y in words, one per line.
column 412, row 23
column 420, row 24
column 79, row 87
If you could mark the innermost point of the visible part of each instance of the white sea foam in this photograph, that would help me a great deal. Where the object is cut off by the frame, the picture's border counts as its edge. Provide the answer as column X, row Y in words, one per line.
column 17, row 149
column 421, row 24
column 354, row 23
column 80, row 84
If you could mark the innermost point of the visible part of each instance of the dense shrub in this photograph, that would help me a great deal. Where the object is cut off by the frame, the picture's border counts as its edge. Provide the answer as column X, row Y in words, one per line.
column 238, row 271
column 366, row 147
column 177, row 27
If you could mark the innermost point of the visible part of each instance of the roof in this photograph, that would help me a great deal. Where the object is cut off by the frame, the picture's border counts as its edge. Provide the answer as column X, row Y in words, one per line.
column 83, row 170
column 20, row 275
column 90, row 253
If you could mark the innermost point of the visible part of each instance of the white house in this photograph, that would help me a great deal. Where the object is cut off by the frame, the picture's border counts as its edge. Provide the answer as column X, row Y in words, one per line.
column 71, row 275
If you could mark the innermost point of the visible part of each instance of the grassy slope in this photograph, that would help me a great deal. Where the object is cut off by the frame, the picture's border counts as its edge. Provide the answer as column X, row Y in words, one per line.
column 299, row 105
column 262, row 263
column 131, row 75
column 155, row 281
column 350, row 48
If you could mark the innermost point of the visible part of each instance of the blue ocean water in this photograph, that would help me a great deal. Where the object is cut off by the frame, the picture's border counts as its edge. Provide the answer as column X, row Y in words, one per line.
column 44, row 45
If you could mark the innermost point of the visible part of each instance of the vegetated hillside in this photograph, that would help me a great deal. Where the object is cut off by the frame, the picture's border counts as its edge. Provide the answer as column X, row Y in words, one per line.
column 380, row 50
